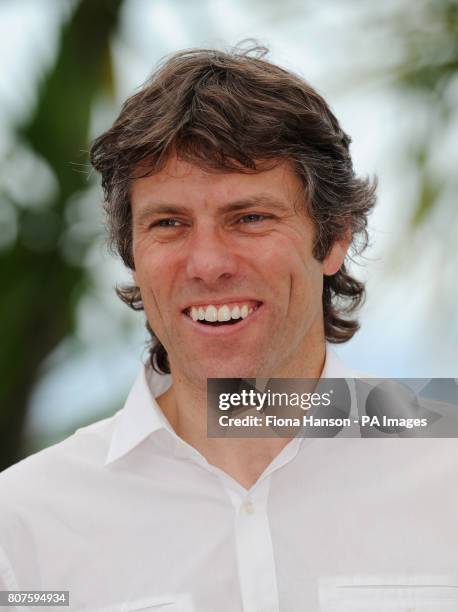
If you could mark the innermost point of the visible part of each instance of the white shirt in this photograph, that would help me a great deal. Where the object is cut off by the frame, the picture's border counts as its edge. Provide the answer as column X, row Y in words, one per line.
column 127, row 516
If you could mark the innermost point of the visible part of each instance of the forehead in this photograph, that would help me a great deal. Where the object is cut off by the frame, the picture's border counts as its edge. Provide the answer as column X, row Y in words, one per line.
column 182, row 183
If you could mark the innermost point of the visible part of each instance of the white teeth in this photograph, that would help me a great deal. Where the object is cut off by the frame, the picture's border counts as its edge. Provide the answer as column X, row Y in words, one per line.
column 224, row 314
column 236, row 312
column 211, row 314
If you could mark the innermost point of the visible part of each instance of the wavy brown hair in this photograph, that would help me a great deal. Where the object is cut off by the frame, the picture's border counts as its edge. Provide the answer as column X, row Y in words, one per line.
column 236, row 111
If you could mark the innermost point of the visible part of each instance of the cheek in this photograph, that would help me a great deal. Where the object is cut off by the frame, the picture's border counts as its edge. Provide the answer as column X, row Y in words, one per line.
column 283, row 259
column 294, row 280
column 150, row 274
column 310, row 285
column 293, row 259
column 306, row 278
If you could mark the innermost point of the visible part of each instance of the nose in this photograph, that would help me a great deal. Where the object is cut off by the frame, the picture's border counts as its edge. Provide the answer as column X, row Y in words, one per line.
column 210, row 257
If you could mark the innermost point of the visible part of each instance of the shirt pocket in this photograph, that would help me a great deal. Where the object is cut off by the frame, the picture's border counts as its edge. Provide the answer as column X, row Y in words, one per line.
column 389, row 593
column 162, row 603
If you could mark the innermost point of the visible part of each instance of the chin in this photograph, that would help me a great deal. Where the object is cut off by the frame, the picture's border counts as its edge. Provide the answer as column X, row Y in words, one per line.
column 245, row 369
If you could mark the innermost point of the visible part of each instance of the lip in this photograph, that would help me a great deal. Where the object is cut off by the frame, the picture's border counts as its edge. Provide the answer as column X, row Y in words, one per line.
column 224, row 330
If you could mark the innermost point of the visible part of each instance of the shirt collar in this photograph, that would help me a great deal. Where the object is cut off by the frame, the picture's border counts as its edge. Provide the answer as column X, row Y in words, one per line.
column 141, row 415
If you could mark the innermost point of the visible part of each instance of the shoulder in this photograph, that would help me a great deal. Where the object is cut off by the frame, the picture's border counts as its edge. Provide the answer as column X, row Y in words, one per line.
column 46, row 499
column 52, row 469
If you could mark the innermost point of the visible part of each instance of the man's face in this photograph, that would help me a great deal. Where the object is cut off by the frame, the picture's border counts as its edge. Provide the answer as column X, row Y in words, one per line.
column 229, row 246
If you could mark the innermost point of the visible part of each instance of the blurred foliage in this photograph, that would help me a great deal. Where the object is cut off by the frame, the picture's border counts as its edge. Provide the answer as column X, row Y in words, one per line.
column 429, row 73
column 40, row 284
column 412, row 50
column 430, row 41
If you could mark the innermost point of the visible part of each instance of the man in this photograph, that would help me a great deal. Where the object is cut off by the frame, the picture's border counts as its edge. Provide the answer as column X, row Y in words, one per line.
column 231, row 196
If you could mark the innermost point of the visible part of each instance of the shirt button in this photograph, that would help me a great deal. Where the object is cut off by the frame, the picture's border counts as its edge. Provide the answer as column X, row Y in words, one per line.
column 248, row 508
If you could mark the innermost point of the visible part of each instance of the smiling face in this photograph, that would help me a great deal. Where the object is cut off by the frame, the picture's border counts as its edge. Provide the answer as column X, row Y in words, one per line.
column 225, row 268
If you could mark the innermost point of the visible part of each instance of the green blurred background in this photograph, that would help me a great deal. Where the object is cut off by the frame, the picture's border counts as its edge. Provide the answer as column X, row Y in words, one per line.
column 69, row 351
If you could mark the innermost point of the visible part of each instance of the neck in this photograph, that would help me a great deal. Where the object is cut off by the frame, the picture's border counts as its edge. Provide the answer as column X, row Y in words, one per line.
column 185, row 406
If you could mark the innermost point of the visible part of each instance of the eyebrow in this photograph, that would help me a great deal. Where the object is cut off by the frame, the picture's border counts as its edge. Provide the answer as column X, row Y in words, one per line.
column 264, row 200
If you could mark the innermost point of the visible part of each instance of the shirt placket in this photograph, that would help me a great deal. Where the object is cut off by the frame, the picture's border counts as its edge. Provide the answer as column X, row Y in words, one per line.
column 255, row 556
column 252, row 533
column 253, row 538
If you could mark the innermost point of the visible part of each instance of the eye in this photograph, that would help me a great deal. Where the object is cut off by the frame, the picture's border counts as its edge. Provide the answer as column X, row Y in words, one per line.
column 252, row 218
column 167, row 223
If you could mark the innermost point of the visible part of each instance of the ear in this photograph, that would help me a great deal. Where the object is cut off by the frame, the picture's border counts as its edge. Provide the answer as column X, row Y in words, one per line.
column 335, row 258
